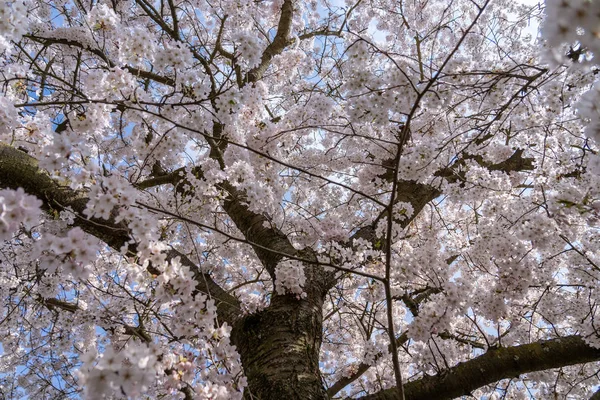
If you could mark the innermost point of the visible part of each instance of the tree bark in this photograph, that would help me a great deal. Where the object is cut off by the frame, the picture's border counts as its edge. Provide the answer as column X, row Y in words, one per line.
column 493, row 366
column 279, row 348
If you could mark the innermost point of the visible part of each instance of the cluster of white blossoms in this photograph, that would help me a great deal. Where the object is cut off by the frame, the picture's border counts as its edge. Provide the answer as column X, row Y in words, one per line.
column 432, row 319
column 373, row 350
column 588, row 107
column 129, row 370
column 102, row 18
column 114, row 84
column 73, row 254
column 577, row 25
column 114, row 191
column 174, row 56
column 16, row 208
column 248, row 47
column 8, row 119
column 13, row 21
column 176, row 278
column 137, row 46
column 290, row 278
column 93, row 120
column 403, row 210
column 58, row 151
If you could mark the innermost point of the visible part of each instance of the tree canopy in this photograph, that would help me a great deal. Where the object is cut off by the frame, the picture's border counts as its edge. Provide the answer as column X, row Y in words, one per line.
column 279, row 199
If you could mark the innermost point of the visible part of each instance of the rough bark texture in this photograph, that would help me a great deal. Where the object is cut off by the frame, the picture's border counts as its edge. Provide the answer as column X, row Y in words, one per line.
column 279, row 347
column 495, row 365
column 270, row 243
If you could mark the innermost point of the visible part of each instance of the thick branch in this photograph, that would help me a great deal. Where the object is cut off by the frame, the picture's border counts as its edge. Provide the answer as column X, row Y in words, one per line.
column 268, row 242
column 515, row 163
column 280, row 41
column 17, row 169
column 419, row 194
column 257, row 228
column 495, row 365
column 361, row 369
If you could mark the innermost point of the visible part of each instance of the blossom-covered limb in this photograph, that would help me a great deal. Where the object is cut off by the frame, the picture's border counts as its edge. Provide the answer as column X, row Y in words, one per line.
column 280, row 41
column 420, row 194
column 111, row 64
column 515, row 163
column 495, row 365
column 18, row 169
column 269, row 243
column 258, row 228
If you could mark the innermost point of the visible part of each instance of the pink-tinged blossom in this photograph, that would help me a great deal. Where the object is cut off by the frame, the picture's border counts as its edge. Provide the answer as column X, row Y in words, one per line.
column 13, row 22
column 9, row 119
column 217, row 177
column 73, row 254
column 17, row 209
column 290, row 278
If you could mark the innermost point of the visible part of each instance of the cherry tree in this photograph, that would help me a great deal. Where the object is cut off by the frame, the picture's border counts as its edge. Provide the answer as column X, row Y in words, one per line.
column 276, row 199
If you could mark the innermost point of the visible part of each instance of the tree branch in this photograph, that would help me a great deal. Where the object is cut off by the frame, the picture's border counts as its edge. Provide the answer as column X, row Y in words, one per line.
column 280, row 41
column 361, row 369
column 17, row 169
column 268, row 242
column 73, row 43
column 258, row 229
column 419, row 194
column 516, row 162
column 495, row 365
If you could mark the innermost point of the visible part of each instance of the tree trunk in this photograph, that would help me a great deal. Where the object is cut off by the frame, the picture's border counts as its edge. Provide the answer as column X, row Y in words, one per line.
column 279, row 348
